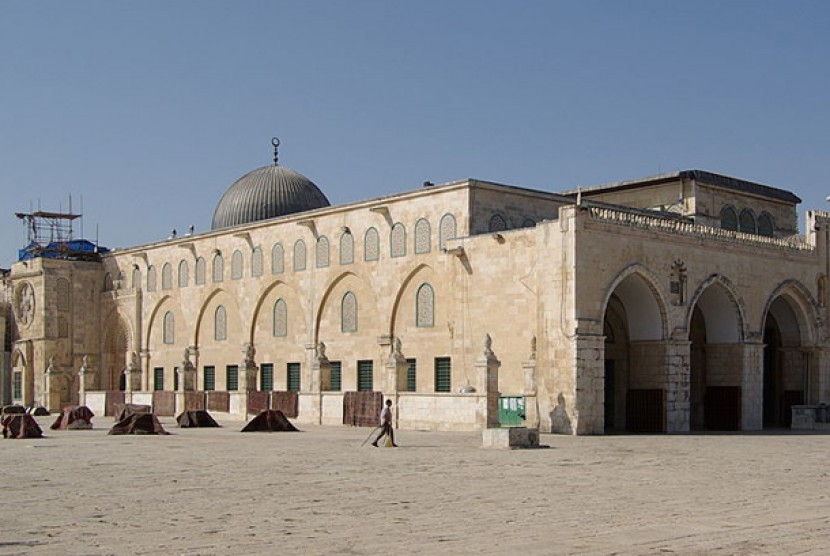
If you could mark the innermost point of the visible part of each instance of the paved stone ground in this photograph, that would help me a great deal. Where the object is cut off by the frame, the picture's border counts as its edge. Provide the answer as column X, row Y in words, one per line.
column 216, row 491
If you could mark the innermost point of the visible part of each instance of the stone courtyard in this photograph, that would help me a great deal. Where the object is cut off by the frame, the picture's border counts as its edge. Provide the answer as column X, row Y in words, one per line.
column 216, row 491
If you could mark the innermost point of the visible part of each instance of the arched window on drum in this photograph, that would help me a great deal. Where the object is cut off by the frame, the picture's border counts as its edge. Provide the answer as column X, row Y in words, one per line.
column 746, row 222
column 729, row 218
column 766, row 227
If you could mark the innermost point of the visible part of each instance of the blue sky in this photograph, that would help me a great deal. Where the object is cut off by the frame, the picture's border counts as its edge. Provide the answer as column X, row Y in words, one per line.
column 150, row 110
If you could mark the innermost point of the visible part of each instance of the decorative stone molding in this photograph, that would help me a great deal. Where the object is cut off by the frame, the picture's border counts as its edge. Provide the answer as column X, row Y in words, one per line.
column 87, row 376
column 187, row 373
column 655, row 223
column 320, row 369
column 248, row 368
column 487, row 380
column 396, row 368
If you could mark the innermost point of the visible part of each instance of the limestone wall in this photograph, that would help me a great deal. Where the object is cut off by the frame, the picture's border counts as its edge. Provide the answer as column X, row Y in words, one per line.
column 514, row 208
column 59, row 323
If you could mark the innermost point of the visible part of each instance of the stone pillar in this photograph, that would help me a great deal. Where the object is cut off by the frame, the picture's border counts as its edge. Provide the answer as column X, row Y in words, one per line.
column 142, row 371
column 487, row 381
column 248, row 369
column 589, row 394
column 133, row 372
column 530, row 391
column 320, row 370
column 52, row 379
column 320, row 380
column 86, row 379
column 752, row 387
column 678, row 386
column 821, row 364
column 395, row 378
column 187, row 373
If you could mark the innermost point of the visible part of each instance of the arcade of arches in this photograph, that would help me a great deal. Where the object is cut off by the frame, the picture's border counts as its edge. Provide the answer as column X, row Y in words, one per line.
column 716, row 377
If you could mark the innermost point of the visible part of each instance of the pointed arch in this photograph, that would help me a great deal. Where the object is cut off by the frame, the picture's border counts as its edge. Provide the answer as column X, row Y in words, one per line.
column 260, row 303
column 726, row 321
column 117, row 345
column 369, row 303
column 393, row 317
column 324, row 300
column 746, row 221
column 729, row 218
column 152, row 319
column 797, row 296
column 201, row 314
column 636, row 286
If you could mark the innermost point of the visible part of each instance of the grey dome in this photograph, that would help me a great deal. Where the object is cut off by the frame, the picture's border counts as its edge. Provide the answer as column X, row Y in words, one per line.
column 267, row 192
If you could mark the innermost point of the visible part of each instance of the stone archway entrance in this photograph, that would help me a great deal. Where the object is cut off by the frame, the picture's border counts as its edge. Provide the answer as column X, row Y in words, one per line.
column 785, row 380
column 114, row 361
column 635, row 397
column 715, row 362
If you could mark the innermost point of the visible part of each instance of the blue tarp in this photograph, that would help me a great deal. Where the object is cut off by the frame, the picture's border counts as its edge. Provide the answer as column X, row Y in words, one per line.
column 76, row 248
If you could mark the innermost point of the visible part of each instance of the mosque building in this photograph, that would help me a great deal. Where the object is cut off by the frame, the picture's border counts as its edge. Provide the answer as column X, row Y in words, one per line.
column 681, row 302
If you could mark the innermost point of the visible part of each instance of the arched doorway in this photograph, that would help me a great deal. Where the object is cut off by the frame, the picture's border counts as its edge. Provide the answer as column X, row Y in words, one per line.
column 635, row 358
column 785, row 380
column 116, row 348
column 715, row 360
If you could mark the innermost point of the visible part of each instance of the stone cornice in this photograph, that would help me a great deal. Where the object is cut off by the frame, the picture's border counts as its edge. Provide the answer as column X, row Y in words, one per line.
column 653, row 223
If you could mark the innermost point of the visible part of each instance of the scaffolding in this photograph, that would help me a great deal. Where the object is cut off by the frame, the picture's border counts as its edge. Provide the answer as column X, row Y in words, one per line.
column 45, row 227
column 50, row 234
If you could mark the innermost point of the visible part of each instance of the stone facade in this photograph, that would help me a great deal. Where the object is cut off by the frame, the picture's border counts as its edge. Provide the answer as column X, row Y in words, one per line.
column 601, row 317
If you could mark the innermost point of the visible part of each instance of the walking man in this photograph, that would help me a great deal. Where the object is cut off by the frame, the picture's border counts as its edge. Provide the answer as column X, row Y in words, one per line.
column 386, row 425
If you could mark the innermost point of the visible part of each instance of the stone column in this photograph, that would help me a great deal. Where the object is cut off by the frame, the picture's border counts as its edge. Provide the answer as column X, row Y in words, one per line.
column 52, row 378
column 320, row 380
column 678, row 386
column 530, row 391
column 752, row 387
column 142, row 371
column 86, row 380
column 133, row 373
column 487, row 381
column 320, row 370
column 589, row 393
column 821, row 364
column 248, row 369
column 187, row 373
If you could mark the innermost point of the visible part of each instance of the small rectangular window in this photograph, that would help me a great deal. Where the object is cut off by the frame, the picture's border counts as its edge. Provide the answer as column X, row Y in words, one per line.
column 336, row 376
column 266, row 377
column 210, row 378
column 365, row 370
column 443, row 372
column 411, row 370
column 293, row 377
column 17, row 387
column 176, row 378
column 232, row 378
column 158, row 378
